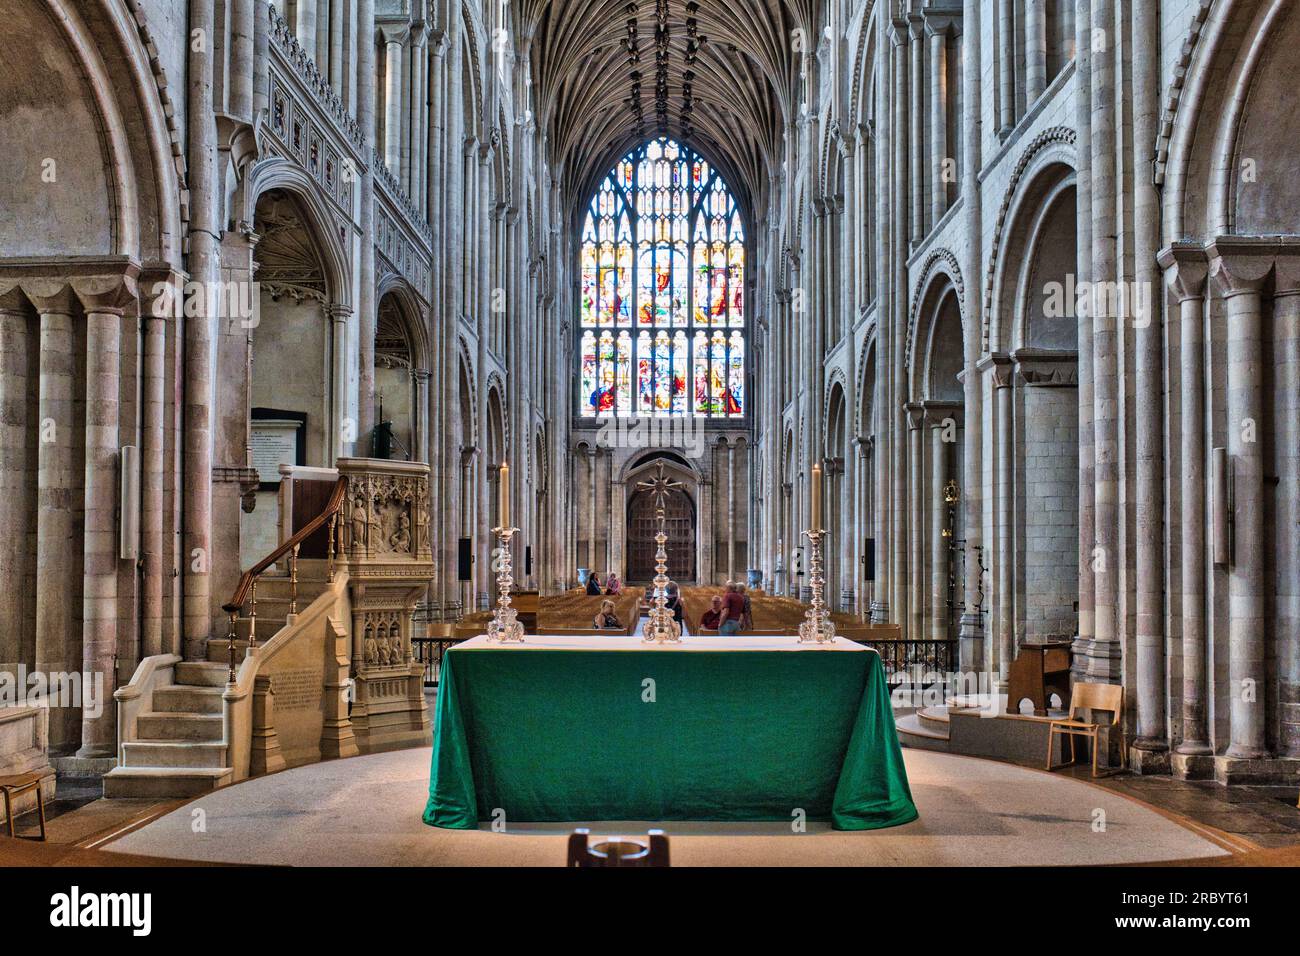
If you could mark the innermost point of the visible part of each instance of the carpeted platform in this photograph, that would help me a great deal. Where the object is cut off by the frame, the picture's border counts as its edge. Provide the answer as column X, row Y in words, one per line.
column 366, row 811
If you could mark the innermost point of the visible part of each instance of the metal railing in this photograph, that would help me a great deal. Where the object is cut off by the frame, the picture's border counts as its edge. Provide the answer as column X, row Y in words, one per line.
column 916, row 657
column 428, row 652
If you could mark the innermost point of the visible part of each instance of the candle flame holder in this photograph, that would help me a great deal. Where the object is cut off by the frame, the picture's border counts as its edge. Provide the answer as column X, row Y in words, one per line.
column 817, row 627
column 505, row 626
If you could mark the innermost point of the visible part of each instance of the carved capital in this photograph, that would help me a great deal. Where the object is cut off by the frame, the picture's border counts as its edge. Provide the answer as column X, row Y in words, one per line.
column 1186, row 269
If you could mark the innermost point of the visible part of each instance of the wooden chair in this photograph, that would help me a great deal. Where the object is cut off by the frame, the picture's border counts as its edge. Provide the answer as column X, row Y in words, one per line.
column 17, row 785
column 1089, row 697
column 618, row 851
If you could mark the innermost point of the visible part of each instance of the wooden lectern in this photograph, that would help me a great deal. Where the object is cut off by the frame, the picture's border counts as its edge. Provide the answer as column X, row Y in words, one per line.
column 1037, row 671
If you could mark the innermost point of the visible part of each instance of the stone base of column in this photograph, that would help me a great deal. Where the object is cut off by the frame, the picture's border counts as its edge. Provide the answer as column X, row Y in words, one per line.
column 1149, row 759
column 805, row 593
column 84, row 765
column 482, row 601
column 1232, row 771
column 970, row 633
column 1186, row 766
column 879, row 612
column 846, row 599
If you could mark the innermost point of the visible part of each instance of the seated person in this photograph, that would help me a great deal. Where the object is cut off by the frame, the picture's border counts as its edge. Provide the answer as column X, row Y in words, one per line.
column 613, row 585
column 710, row 619
column 606, row 618
column 673, row 601
column 733, row 611
column 593, row 584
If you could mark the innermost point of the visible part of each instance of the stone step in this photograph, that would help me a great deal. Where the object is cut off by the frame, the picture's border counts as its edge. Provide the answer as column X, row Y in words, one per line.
column 934, row 718
column 173, row 753
column 202, row 673
column 179, row 726
column 186, row 699
column 219, row 652
column 912, row 733
column 267, row 626
column 123, row 782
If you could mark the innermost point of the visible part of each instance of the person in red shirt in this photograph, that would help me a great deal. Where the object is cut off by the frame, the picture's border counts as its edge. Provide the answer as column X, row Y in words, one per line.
column 733, row 611
column 710, row 619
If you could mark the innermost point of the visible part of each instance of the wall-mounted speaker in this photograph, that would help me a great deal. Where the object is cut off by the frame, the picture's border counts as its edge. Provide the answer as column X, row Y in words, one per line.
column 528, row 561
column 464, row 560
column 869, row 561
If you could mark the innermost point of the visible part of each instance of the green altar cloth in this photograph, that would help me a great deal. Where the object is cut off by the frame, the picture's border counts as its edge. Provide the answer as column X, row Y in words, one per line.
column 722, row 728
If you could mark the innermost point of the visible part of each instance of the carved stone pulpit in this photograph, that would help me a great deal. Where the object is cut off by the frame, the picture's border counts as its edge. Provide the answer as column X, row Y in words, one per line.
column 383, row 543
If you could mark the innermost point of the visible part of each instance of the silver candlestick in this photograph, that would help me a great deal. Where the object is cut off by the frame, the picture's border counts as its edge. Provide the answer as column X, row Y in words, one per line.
column 817, row 627
column 505, row 627
column 662, row 627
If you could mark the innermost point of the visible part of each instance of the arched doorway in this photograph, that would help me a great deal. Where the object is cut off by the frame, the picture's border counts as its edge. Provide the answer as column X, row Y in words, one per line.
column 643, row 524
column 395, row 384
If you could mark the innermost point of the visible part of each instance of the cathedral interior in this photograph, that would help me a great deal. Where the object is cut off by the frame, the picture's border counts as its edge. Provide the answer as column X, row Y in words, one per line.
column 999, row 299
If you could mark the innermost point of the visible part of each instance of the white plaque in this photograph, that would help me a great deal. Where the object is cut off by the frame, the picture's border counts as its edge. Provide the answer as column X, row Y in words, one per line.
column 275, row 443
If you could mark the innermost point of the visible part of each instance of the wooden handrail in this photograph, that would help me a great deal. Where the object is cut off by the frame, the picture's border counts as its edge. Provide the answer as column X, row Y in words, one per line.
column 236, row 603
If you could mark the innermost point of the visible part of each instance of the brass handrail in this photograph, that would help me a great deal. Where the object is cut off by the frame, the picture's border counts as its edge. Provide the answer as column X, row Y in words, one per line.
column 247, row 579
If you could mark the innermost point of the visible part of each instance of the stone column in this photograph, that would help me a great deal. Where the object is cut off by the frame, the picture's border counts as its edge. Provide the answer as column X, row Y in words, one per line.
column 99, row 589
column 338, row 28
column 422, row 410
column 1286, row 444
column 1153, row 687
column 1035, row 50
column 940, row 551
column 1087, row 504
column 916, row 93
column 242, row 68
column 17, row 345
column 339, row 315
column 1240, row 276
column 916, row 523
column 394, row 55
column 1006, row 47
column 152, row 468
column 1005, row 436
column 731, row 511
column 305, row 27
column 938, row 31
column 588, row 507
column 1105, row 663
column 1186, row 271
column 204, row 262
column 57, row 569
column 367, row 307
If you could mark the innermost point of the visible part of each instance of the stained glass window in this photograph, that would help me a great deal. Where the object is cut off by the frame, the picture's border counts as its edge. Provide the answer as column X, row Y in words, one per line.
column 662, row 299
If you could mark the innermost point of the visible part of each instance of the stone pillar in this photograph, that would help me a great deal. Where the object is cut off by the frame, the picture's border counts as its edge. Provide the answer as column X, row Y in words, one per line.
column 57, row 569
column 1035, row 50
column 1148, row 381
column 588, row 507
column 1006, row 47
column 1286, row 444
column 1005, row 456
column 731, row 511
column 99, row 590
column 338, row 27
column 916, row 93
column 940, row 551
column 339, row 315
column 1241, row 277
column 421, row 376
column 916, row 523
column 1186, row 271
column 394, row 55
column 1083, row 123
column 1106, row 657
column 242, row 68
column 367, row 307
column 305, row 27
column 938, row 32
column 152, row 469
column 17, row 345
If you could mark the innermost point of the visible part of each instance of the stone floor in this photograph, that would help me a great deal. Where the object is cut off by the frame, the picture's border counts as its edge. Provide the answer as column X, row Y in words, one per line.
column 1265, row 816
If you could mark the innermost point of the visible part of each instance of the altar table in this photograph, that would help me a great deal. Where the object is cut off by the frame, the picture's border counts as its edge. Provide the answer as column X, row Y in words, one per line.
column 590, row 728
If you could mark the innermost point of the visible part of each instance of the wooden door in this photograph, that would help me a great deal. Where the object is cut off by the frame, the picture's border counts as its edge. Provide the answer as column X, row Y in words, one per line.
column 679, row 525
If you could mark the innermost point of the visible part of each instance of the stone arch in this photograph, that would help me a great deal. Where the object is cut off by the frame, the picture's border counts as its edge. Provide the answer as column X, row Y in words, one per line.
column 84, row 101
column 938, row 297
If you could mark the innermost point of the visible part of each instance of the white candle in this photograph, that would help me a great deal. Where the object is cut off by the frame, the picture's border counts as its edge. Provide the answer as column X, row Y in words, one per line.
column 816, row 497
column 503, row 496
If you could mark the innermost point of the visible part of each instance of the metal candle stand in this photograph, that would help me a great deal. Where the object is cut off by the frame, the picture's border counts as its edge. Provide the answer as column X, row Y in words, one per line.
column 505, row 627
column 662, row 627
column 817, row 627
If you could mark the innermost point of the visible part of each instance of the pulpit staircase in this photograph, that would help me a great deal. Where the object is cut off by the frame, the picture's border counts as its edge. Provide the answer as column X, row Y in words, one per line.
column 180, row 743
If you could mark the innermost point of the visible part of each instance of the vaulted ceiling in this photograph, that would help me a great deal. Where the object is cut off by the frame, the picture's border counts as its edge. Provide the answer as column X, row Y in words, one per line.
column 720, row 75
